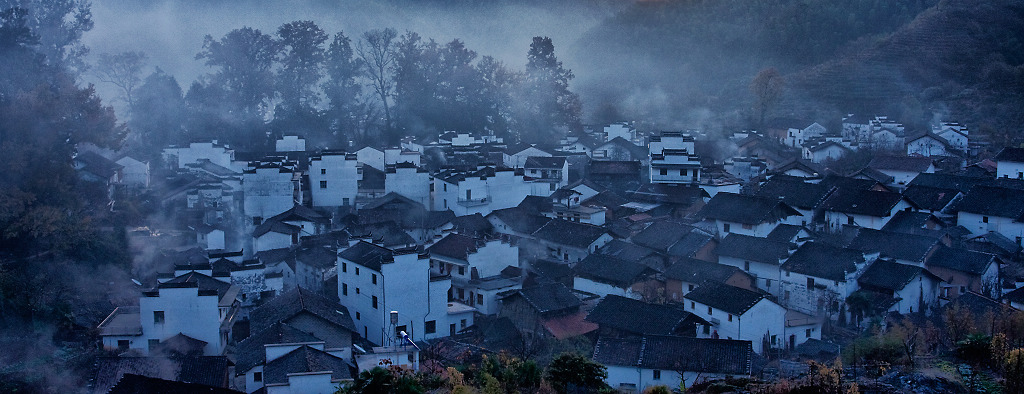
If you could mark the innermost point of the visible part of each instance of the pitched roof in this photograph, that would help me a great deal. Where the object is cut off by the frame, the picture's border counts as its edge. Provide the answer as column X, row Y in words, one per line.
column 205, row 370
column 634, row 149
column 520, row 220
column 847, row 182
column 901, row 163
column 824, row 261
column 725, row 297
column 745, row 247
column 911, row 223
column 1011, row 154
column 552, row 297
column 565, row 232
column 949, row 181
column 138, row 384
column 673, row 353
column 929, row 198
column 962, row 260
column 665, row 235
column 798, row 194
column 699, row 271
column 739, row 208
column 471, row 224
column 388, row 234
column 785, row 232
column 994, row 201
column 890, row 275
column 367, row 255
column 203, row 281
column 627, row 251
column 623, row 313
column 611, row 167
column 901, row 246
column 455, row 246
column 251, row 351
column 862, row 202
column 305, row 359
column 613, row 271
column 318, row 256
column 555, row 162
column 296, row 301
column 98, row 165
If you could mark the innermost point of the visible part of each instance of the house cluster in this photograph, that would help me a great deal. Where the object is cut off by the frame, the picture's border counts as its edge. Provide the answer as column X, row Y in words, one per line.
column 308, row 267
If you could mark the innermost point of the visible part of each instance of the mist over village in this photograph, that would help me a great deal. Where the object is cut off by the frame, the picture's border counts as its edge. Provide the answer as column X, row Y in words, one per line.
column 511, row 196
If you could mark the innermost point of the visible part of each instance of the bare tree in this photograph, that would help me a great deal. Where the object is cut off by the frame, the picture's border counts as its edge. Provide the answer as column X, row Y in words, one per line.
column 377, row 53
column 123, row 70
column 767, row 89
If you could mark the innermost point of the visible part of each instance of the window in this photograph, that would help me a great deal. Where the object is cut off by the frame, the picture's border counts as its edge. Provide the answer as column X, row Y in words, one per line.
column 767, row 283
column 664, row 171
column 479, row 299
column 158, row 317
column 374, row 278
column 810, row 283
column 692, row 305
column 748, row 226
column 707, row 330
column 374, row 302
column 153, row 343
column 357, row 290
column 469, row 195
column 430, row 327
column 358, row 316
column 730, row 317
column 323, row 184
column 657, row 374
column 682, row 172
column 344, row 289
column 984, row 219
column 689, row 288
column 746, row 266
column 451, row 329
column 357, row 270
column 849, row 220
column 257, row 376
column 122, row 344
column 462, row 324
column 807, row 333
column 709, row 310
column 462, row 270
column 725, row 227
column 323, row 171
column 344, row 201
column 445, row 185
column 344, row 267
column 257, row 220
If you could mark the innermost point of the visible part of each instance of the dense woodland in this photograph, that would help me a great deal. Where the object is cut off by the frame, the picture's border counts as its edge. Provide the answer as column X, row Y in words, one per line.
column 63, row 251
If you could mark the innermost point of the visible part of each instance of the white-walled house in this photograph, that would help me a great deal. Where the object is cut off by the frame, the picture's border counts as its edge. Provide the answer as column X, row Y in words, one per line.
column 481, row 191
column 571, row 242
column 927, row 145
column 635, row 364
column 553, row 171
column 818, row 278
column 902, row 169
column 796, row 137
column 672, row 159
column 760, row 257
column 468, row 260
column 134, row 173
column 410, row 181
column 370, row 156
column 820, row 152
column 268, row 189
column 333, row 179
column 736, row 313
column 910, row 288
column 194, row 305
column 290, row 143
column 1010, row 163
column 177, row 157
column 745, row 214
column 518, row 158
column 864, row 208
column 955, row 134
column 374, row 282
column 993, row 209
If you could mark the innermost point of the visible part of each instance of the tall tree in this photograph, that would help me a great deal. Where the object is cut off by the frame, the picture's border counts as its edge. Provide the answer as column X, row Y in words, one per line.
column 302, row 58
column 158, row 113
column 59, row 26
column 123, row 70
column 341, row 88
column 767, row 89
column 549, row 102
column 377, row 53
column 245, row 58
column 571, row 371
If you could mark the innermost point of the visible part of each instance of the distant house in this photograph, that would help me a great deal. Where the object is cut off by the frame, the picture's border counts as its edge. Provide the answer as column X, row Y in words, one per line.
column 333, row 179
column 371, row 156
column 928, row 144
column 605, row 275
column 686, row 274
column 547, row 311
column 1010, row 163
column 551, row 170
column 736, row 313
column 677, row 239
column 819, row 152
column 903, row 169
column 955, row 135
column 618, row 316
column 285, row 229
column 570, row 241
column 805, row 197
column 760, row 257
column 744, row 214
column 620, row 149
column 818, row 278
column 516, row 221
column 469, row 261
column 638, row 363
column 993, row 209
column 912, row 249
column 673, row 160
column 134, row 173
column 483, row 190
column 516, row 158
column 860, row 207
column 965, row 271
column 905, row 288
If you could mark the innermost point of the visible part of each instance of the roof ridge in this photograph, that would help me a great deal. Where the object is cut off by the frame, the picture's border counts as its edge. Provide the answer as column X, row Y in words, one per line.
column 643, row 346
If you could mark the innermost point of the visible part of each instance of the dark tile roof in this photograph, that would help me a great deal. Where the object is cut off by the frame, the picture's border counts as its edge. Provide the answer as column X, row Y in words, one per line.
column 664, row 234
column 890, row 275
column 819, row 260
column 979, row 305
column 305, row 359
column 520, row 220
column 739, row 208
column 474, row 224
column 205, row 282
column 552, row 270
column 205, row 370
column 296, row 301
column 612, row 271
column 564, row 232
column 901, row 163
column 994, row 201
column 627, row 251
column 862, row 202
column 725, row 297
column 251, row 351
column 181, row 344
column 555, row 162
column 634, row 149
column 276, row 226
column 552, row 297
column 668, row 194
column 949, row 181
column 1016, row 296
column 388, row 234
column 318, row 256
column 785, row 232
column 832, row 180
column 367, row 255
column 911, row 222
column 929, row 198
column 455, row 246
column 1011, row 154
column 372, row 178
column 138, row 384
column 798, row 194
column 901, row 246
column 98, row 165
column 672, row 353
column 622, row 313
column 874, row 175
column 536, row 204
column 761, row 250
column 962, row 260
column 609, row 167
column 700, row 271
